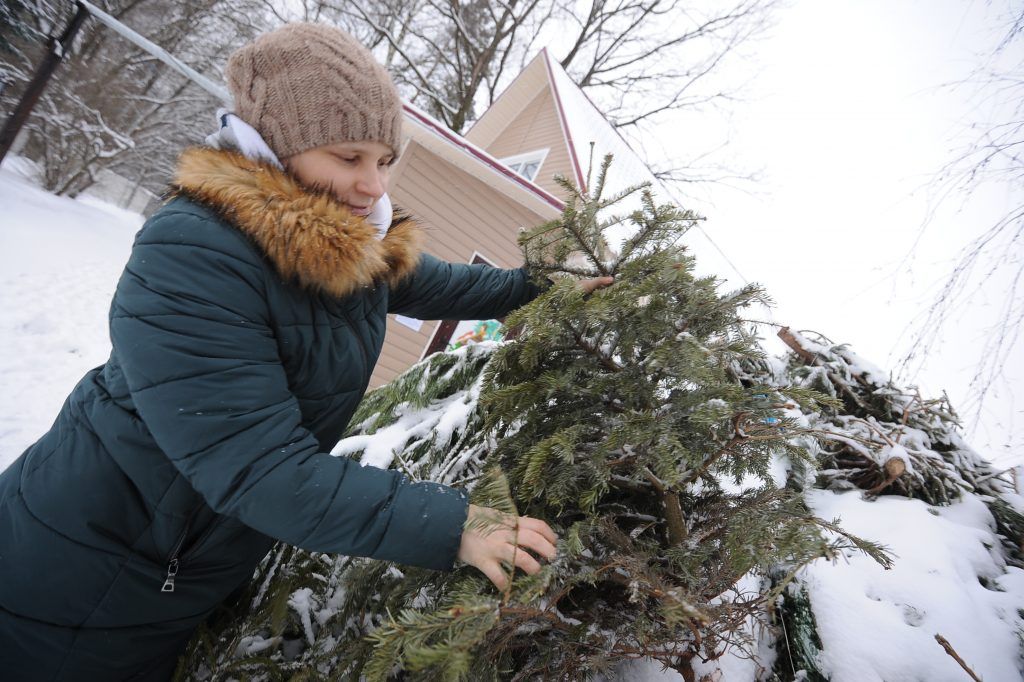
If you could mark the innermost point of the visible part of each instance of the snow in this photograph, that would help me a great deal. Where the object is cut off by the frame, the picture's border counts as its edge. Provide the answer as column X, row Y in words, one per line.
column 880, row 625
column 949, row 578
column 302, row 602
column 859, row 365
column 250, row 645
column 896, row 451
column 435, row 423
column 60, row 260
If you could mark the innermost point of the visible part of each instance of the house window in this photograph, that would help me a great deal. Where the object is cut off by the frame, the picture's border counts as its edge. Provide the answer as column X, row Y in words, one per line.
column 526, row 165
column 452, row 334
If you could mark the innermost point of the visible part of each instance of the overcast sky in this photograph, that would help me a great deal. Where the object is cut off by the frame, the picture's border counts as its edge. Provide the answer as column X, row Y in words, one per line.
column 845, row 119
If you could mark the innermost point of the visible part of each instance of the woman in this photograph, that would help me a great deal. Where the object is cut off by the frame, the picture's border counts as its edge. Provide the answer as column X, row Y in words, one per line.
column 244, row 329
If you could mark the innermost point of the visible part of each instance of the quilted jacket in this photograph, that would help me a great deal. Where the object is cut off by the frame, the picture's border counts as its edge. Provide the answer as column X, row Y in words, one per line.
column 244, row 330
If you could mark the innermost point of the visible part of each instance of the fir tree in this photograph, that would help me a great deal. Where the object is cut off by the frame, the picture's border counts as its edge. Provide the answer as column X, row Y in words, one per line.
column 617, row 416
column 627, row 420
column 884, row 440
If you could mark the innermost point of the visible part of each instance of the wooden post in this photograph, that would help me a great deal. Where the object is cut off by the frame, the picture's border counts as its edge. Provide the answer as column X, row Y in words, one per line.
column 790, row 340
column 57, row 49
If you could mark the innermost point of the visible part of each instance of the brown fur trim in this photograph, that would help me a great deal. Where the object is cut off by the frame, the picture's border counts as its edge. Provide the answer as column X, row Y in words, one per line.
column 402, row 253
column 307, row 235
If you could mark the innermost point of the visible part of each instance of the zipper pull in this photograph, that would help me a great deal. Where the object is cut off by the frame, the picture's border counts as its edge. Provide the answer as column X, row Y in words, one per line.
column 172, row 570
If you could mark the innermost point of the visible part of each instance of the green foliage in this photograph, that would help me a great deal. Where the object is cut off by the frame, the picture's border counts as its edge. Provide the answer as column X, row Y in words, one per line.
column 628, row 419
column 418, row 640
column 802, row 646
column 441, row 375
column 871, row 421
column 1010, row 526
column 618, row 418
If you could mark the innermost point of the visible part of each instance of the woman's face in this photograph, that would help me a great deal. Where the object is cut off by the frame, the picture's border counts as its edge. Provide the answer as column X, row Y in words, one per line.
column 356, row 173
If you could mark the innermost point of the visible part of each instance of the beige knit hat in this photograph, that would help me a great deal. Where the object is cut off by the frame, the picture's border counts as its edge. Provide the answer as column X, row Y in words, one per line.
column 308, row 85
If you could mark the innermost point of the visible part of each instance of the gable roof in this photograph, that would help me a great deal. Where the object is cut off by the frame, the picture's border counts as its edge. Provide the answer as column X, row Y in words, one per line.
column 433, row 135
column 590, row 137
column 519, row 94
column 586, row 132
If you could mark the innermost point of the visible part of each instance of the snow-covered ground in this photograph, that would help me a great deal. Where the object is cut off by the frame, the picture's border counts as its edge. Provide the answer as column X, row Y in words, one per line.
column 948, row 579
column 59, row 263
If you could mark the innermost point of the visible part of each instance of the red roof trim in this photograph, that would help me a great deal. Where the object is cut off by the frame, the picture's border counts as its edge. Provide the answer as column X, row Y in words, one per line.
column 489, row 160
column 565, row 123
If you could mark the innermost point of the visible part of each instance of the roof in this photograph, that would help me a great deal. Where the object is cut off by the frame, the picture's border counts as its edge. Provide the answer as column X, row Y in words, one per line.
column 590, row 137
column 434, row 135
column 587, row 133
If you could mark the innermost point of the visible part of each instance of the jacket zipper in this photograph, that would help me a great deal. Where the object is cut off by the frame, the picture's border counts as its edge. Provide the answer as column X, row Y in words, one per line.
column 174, row 561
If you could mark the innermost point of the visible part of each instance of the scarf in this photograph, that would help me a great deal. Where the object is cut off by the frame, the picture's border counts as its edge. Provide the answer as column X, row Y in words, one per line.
column 236, row 134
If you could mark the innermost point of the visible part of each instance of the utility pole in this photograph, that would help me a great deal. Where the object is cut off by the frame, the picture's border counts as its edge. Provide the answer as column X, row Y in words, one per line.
column 58, row 48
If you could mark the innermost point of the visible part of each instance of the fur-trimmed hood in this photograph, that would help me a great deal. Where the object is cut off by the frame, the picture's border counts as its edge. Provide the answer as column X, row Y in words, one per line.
column 309, row 236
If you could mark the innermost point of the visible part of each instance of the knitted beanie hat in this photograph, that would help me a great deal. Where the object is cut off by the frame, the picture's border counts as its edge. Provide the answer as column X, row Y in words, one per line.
column 308, row 85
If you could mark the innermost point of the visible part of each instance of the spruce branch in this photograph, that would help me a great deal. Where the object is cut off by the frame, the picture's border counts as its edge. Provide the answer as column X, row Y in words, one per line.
column 592, row 350
column 709, row 461
column 673, row 510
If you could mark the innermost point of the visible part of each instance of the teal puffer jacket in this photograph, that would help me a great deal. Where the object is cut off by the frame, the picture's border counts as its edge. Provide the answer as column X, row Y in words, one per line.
column 244, row 330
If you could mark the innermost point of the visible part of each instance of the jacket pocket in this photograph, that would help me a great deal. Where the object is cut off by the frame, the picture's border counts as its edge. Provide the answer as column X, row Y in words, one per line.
column 219, row 531
column 206, row 569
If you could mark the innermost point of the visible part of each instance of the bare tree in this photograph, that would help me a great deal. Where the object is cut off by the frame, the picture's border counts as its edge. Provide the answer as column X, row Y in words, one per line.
column 113, row 106
column 639, row 60
column 993, row 156
column 448, row 57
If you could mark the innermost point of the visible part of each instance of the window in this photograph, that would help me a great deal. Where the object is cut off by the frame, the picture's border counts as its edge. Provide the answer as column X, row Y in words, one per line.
column 452, row 334
column 526, row 165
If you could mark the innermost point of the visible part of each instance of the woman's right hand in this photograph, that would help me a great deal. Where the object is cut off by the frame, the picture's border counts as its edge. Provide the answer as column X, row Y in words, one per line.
column 487, row 548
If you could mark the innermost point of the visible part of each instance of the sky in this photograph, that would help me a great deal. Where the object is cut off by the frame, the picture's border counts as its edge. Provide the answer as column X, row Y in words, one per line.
column 845, row 120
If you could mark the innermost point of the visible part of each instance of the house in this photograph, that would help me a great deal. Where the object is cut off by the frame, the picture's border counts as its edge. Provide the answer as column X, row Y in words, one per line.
column 474, row 193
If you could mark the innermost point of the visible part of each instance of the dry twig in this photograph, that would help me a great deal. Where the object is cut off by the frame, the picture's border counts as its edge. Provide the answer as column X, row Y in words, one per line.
column 944, row 643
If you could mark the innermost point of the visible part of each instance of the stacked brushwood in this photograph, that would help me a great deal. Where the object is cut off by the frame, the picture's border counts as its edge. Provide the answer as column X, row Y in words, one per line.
column 887, row 440
column 882, row 439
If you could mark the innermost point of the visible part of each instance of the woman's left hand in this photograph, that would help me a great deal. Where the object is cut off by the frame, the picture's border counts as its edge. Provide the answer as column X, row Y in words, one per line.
column 590, row 285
